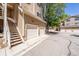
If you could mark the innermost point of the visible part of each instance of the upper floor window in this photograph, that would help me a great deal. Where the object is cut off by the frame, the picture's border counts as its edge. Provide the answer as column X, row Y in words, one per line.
column 38, row 14
column 39, row 4
column 67, row 20
column 28, row 3
column 76, row 18
column 77, row 23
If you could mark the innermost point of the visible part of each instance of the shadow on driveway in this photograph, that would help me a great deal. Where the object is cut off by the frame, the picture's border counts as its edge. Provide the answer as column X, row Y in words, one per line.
column 75, row 35
column 49, row 33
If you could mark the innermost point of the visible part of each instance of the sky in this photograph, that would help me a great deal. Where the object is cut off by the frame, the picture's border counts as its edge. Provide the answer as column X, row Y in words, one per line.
column 72, row 9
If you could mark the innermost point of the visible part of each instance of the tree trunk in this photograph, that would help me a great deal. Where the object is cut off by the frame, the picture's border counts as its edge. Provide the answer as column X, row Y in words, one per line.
column 47, row 28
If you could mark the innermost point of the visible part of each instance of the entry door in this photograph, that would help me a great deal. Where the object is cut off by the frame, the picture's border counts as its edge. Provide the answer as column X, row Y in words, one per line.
column 32, row 31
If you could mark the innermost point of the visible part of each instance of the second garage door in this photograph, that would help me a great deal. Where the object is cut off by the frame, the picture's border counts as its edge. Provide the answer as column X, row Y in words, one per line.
column 42, row 31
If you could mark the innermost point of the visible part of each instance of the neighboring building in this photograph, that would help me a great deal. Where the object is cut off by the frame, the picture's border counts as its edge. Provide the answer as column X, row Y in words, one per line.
column 20, row 22
column 71, row 24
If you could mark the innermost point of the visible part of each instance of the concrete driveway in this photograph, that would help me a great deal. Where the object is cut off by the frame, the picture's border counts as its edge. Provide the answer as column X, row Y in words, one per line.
column 61, row 44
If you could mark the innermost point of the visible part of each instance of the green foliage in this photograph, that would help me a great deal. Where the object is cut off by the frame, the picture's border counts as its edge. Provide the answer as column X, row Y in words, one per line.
column 55, row 13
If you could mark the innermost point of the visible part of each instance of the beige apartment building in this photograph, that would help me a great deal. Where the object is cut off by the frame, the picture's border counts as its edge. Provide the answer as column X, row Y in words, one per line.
column 20, row 22
column 71, row 24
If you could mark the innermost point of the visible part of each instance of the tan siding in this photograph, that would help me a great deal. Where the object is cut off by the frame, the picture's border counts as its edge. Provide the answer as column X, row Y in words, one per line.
column 21, row 24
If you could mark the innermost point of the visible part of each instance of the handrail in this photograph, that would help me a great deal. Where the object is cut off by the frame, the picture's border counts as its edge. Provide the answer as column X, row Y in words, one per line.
column 17, row 27
column 6, row 26
column 20, row 8
column 8, row 34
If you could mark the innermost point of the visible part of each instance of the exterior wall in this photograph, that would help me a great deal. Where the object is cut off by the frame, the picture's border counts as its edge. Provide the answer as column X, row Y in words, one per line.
column 39, row 9
column 72, row 22
column 12, row 11
column 77, row 23
column 32, row 8
column 34, row 21
column 71, row 25
column 33, row 27
column 26, row 23
column 70, row 30
column 36, row 25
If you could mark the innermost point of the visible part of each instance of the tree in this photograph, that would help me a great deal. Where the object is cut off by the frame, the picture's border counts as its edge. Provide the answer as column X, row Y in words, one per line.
column 54, row 14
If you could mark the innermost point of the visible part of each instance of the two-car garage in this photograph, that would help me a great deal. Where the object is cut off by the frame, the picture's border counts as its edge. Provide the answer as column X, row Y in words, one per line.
column 34, row 31
column 34, row 28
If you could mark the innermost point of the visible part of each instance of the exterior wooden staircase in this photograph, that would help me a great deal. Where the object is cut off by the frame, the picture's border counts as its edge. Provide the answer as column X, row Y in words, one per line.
column 15, row 37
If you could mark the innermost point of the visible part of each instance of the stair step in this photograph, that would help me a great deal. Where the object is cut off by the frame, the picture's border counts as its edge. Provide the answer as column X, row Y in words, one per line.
column 16, row 40
column 13, row 38
column 17, row 43
column 14, row 33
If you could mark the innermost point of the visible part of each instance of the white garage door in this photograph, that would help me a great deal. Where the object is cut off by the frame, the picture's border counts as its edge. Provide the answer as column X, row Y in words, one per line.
column 31, row 31
column 42, row 31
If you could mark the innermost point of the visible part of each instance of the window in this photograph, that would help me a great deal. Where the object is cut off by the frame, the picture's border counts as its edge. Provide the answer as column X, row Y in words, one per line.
column 67, row 20
column 39, row 4
column 28, row 3
column 77, row 23
column 76, row 18
column 38, row 14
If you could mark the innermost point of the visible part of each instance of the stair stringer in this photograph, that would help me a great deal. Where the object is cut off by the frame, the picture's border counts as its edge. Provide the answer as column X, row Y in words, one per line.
column 20, row 34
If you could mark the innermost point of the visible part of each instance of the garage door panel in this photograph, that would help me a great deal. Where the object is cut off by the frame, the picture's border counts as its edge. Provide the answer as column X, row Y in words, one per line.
column 31, row 31
column 42, row 31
